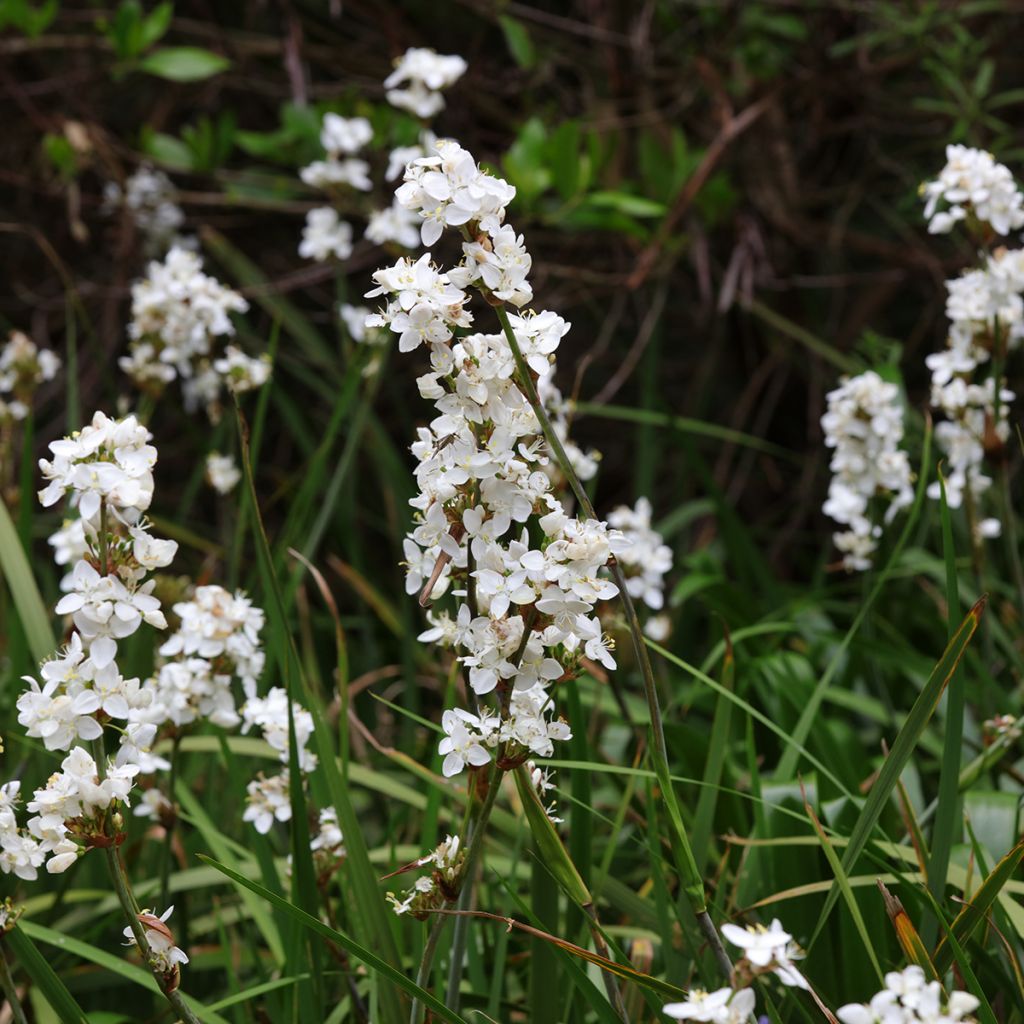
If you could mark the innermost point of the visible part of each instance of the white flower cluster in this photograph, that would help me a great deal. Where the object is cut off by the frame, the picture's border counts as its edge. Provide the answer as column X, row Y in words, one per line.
column 864, row 424
column 648, row 558
column 985, row 308
column 431, row 891
column 325, row 235
column 972, row 183
column 422, row 73
column 527, row 611
column 222, row 472
column 909, row 998
column 217, row 644
column 23, row 367
column 768, row 950
column 107, row 470
column 179, row 316
column 151, row 199
column 341, row 139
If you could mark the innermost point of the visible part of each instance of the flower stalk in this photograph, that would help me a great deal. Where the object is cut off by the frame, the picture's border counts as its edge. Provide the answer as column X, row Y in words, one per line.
column 686, row 865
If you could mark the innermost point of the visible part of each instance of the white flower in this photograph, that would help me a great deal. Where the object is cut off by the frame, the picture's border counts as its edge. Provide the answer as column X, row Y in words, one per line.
column 424, row 73
column 722, row 1006
column 325, row 236
column 165, row 956
column 463, row 743
column 344, row 134
column 222, row 473
column 973, row 182
column 909, row 998
column 267, row 801
column 241, row 372
column 864, row 424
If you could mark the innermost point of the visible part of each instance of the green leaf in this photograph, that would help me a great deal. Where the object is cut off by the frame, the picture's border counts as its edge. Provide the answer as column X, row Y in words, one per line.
column 918, row 718
column 623, row 202
column 519, row 43
column 973, row 913
column 115, row 964
column 156, row 24
column 374, row 962
column 27, row 600
column 38, row 968
column 550, row 847
column 166, row 150
column 183, row 63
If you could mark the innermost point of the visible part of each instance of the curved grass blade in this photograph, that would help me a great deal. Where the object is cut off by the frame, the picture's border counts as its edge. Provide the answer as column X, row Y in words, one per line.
column 27, row 599
column 906, row 741
column 361, row 953
column 38, row 968
column 973, row 913
column 843, row 881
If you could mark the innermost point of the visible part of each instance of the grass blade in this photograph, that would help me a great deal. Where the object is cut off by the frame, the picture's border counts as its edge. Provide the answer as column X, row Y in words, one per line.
column 24, row 590
column 906, row 741
column 973, row 913
column 38, row 968
column 361, row 953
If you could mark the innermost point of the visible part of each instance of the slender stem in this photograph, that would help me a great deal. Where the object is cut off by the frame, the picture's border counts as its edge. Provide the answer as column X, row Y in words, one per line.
column 130, row 905
column 477, row 828
column 104, row 539
column 166, row 851
column 11, row 991
column 690, row 877
column 1010, row 529
column 610, row 984
column 426, row 963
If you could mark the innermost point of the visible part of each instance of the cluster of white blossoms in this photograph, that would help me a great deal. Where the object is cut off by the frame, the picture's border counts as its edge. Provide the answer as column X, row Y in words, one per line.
column 415, row 85
column 909, row 998
column 648, row 559
column 341, row 139
column 152, row 200
column 525, row 615
column 972, row 185
column 222, row 472
column 864, row 426
column 23, row 367
column 180, row 316
column 107, row 471
column 418, row 79
column 216, row 646
column 768, row 950
column 429, row 892
column 985, row 308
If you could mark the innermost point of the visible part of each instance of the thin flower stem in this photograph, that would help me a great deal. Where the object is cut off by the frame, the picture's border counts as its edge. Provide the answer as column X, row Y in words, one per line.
column 690, row 877
column 11, row 992
column 426, row 963
column 477, row 828
column 130, row 905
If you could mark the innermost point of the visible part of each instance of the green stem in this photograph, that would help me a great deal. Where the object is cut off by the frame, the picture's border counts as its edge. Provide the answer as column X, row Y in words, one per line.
column 477, row 828
column 130, row 905
column 10, row 991
column 690, row 878
column 166, row 849
column 426, row 963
